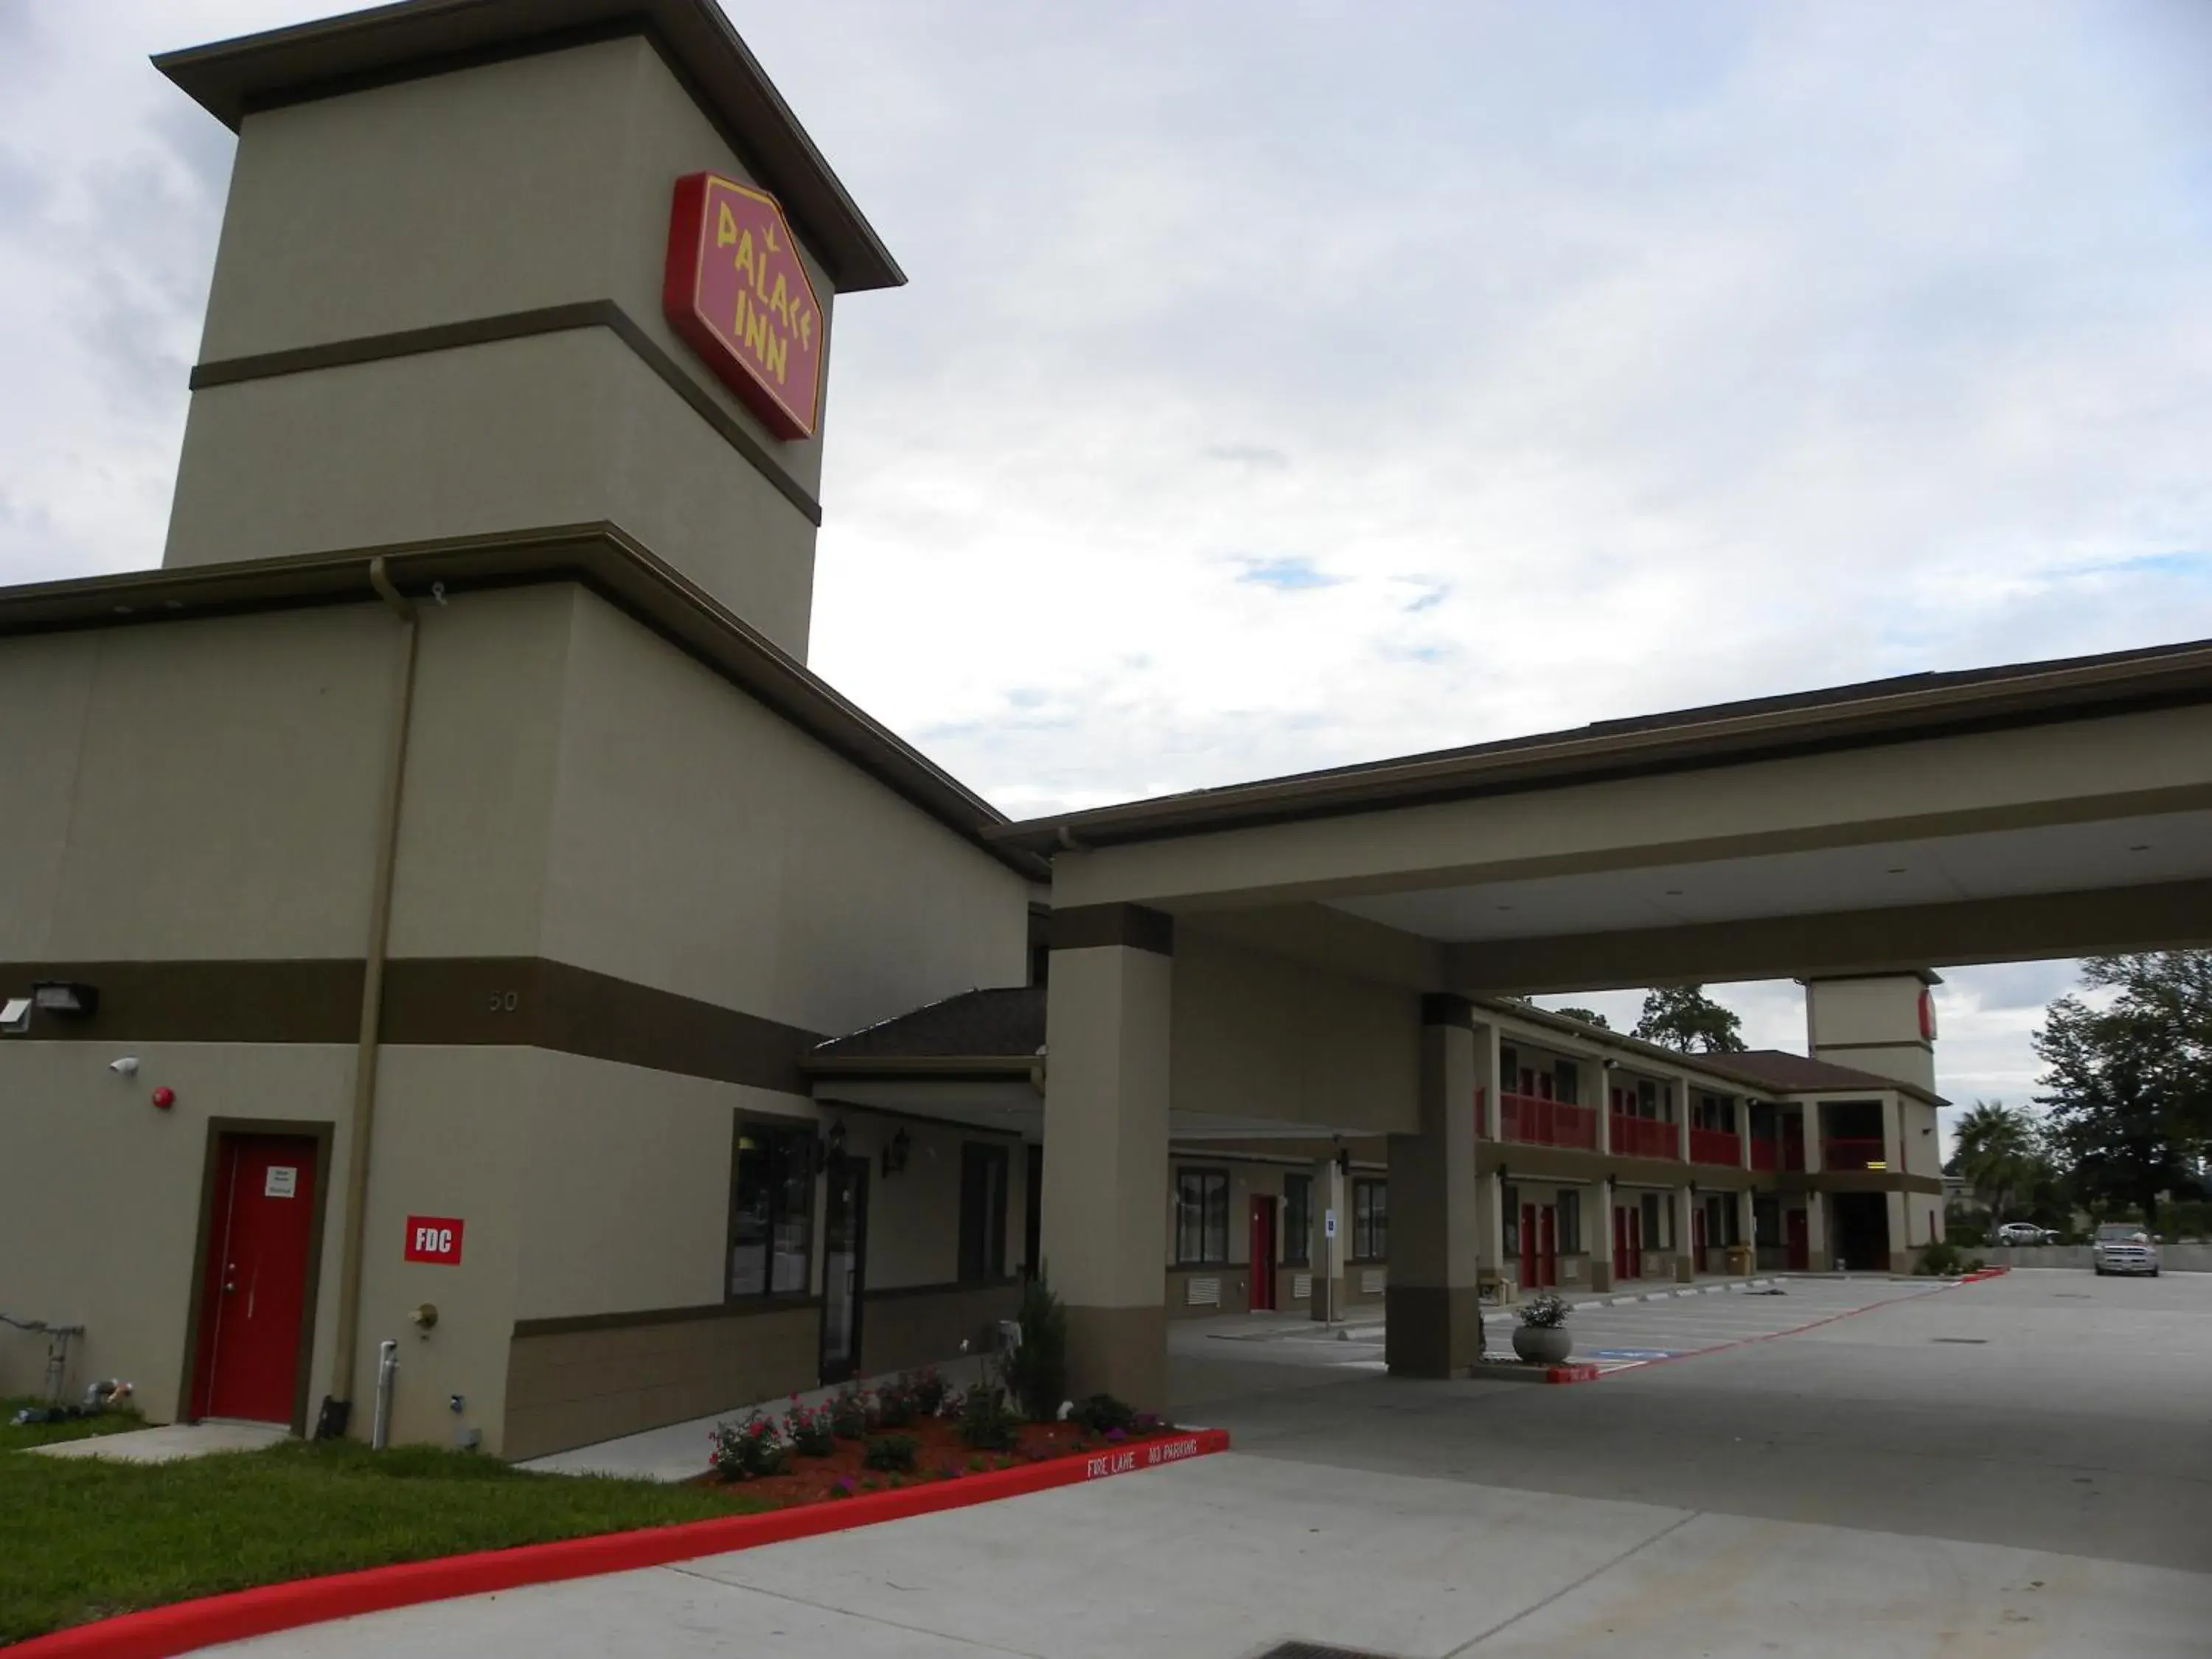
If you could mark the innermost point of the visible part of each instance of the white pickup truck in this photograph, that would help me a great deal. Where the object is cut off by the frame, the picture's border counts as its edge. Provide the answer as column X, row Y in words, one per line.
column 2124, row 1247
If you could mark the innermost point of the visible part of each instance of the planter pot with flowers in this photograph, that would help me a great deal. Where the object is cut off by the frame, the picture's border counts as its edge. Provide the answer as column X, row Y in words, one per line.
column 1541, row 1338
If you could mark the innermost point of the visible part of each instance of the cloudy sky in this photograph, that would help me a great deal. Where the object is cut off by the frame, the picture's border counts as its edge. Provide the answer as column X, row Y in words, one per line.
column 1290, row 384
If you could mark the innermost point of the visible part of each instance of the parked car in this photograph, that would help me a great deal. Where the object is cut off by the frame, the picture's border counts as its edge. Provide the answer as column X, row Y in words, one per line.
column 2124, row 1247
column 2022, row 1232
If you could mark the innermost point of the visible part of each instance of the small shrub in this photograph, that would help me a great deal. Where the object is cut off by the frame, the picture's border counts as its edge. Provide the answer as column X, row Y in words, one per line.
column 896, row 1404
column 1545, row 1311
column 1036, row 1372
column 852, row 1413
column 1940, row 1259
column 748, row 1450
column 809, row 1431
column 1975, row 1264
column 894, row 1453
column 1101, row 1414
column 928, row 1389
column 986, row 1422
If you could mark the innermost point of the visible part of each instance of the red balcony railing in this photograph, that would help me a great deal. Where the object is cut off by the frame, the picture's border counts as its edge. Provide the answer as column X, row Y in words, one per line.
column 1536, row 1122
column 1764, row 1153
column 1644, row 1137
column 1715, row 1147
column 1851, row 1152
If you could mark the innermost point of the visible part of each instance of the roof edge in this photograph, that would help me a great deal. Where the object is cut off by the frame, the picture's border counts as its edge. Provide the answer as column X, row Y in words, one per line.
column 1878, row 712
column 597, row 556
column 331, row 57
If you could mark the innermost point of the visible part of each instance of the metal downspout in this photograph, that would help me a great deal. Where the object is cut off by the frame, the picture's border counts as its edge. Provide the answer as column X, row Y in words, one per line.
column 338, row 1404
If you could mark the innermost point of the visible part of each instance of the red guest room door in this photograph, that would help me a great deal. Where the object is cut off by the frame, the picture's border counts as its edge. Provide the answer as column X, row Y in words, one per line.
column 253, row 1300
column 1263, row 1260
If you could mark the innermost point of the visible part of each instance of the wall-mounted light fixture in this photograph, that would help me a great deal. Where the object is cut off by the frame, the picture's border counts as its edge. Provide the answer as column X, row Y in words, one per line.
column 66, row 998
column 896, row 1153
column 15, row 1016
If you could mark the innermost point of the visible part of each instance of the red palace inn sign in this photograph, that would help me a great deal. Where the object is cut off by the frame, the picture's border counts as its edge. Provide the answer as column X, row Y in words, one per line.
column 736, row 290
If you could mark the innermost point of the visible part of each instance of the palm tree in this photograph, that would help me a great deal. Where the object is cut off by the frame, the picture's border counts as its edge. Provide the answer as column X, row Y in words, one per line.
column 1998, row 1149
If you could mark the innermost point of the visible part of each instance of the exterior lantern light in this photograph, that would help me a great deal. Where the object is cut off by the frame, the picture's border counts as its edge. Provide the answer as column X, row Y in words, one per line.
column 896, row 1153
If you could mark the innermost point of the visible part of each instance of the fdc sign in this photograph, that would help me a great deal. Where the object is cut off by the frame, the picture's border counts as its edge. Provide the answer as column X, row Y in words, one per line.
column 434, row 1238
column 737, row 291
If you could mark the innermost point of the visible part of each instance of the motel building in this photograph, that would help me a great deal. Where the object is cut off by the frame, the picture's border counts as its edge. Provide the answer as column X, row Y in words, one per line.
column 439, row 905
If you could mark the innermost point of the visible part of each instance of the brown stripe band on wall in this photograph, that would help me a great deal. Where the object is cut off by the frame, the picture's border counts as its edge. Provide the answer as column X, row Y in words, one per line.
column 1086, row 927
column 517, row 326
column 525, row 1001
column 749, row 1307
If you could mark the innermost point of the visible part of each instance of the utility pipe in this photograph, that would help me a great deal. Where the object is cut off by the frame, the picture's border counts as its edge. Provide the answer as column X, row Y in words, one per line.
column 338, row 1404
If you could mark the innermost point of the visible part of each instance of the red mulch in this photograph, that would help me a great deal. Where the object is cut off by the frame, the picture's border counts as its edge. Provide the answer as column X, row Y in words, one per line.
column 941, row 1456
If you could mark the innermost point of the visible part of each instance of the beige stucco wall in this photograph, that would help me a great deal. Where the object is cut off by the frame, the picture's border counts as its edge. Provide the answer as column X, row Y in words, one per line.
column 103, row 1211
column 1257, row 1035
column 190, row 790
column 539, row 181
column 700, row 845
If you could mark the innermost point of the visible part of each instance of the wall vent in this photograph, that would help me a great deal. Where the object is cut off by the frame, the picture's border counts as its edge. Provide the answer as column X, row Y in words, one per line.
column 1201, row 1293
column 1301, row 1287
column 1372, row 1280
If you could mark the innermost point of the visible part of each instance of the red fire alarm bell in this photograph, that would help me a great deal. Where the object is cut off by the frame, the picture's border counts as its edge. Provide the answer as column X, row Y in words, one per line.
column 165, row 1098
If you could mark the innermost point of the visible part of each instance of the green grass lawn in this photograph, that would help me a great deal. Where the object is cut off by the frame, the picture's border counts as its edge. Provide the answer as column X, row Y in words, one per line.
column 83, row 1538
column 14, row 1437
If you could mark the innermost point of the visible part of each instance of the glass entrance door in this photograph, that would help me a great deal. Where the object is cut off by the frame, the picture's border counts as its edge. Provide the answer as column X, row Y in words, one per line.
column 844, row 1256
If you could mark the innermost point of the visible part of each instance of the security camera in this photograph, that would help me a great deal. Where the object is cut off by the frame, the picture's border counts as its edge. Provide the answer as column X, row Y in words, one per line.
column 126, row 1067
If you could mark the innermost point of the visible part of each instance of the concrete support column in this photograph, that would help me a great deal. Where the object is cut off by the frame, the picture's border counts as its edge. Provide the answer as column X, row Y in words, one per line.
column 1900, row 1233
column 1682, row 1121
column 1597, row 1235
column 1433, row 1317
column 1813, row 1127
column 1817, row 1258
column 1685, row 1233
column 1605, row 1087
column 1746, row 1225
column 1489, row 1232
column 1489, row 1078
column 1893, row 1139
column 1326, row 1254
column 1106, row 1147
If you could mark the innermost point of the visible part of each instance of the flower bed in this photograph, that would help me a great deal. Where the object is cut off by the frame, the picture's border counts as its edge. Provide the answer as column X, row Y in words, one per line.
column 940, row 1455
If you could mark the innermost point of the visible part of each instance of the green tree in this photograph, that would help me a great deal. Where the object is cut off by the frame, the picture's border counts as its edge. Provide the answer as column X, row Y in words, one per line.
column 2130, row 1083
column 1588, row 1016
column 1999, row 1150
column 1683, row 1017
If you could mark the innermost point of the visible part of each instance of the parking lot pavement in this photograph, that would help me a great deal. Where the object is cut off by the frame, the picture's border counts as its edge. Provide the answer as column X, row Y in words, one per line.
column 2018, row 1466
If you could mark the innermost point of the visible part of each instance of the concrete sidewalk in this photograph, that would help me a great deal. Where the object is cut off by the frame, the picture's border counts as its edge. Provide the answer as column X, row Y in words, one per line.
column 171, row 1443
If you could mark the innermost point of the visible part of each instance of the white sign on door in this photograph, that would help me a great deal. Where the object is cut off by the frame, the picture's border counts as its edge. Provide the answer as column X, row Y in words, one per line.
column 282, row 1180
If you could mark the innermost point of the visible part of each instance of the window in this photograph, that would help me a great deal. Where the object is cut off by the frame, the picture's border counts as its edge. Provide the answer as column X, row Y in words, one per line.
column 1371, row 1220
column 982, row 1213
column 1297, row 1219
column 1658, row 1222
column 1201, row 1217
column 1568, row 1077
column 1647, row 1098
column 771, row 1211
column 1570, row 1222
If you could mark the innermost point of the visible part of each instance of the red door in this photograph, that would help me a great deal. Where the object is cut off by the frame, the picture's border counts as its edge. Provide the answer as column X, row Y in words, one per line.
column 1547, row 1250
column 1531, row 1263
column 1263, row 1255
column 1800, row 1241
column 255, row 1294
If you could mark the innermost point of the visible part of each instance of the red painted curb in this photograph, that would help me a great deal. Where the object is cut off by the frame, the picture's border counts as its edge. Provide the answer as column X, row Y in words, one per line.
column 1573, row 1372
column 182, row 1626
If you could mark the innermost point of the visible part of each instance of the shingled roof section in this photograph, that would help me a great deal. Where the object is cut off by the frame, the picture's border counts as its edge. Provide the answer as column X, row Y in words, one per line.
column 1008, row 1022
column 1790, row 1073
